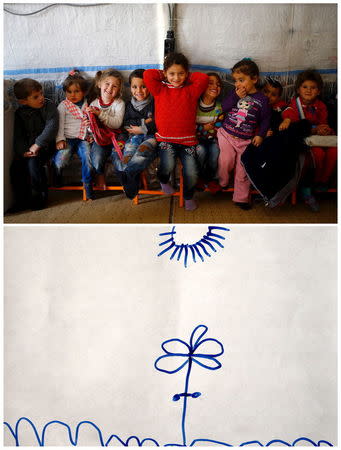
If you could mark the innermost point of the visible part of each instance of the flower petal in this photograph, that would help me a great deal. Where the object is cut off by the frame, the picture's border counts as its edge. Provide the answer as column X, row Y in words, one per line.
column 211, row 347
column 166, row 363
column 176, row 347
column 196, row 335
column 207, row 362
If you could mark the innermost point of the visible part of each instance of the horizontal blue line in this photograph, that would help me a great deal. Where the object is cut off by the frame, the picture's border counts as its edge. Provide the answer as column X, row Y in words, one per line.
column 146, row 66
column 82, row 68
column 286, row 72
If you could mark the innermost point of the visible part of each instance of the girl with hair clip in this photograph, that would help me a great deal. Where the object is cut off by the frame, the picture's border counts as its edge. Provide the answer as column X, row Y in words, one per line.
column 72, row 136
column 246, row 121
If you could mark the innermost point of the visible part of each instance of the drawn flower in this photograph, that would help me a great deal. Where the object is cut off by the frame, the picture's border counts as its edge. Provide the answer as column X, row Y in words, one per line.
column 198, row 350
column 180, row 354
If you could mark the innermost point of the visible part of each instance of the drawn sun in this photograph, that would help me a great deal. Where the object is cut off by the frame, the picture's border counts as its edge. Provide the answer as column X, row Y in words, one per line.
column 209, row 242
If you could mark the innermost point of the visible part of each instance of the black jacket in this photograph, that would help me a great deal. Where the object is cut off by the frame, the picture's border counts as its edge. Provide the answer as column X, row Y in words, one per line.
column 35, row 126
column 134, row 117
column 274, row 168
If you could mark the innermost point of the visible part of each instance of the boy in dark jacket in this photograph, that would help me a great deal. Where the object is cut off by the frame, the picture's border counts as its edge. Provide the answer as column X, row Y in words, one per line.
column 140, row 143
column 35, row 129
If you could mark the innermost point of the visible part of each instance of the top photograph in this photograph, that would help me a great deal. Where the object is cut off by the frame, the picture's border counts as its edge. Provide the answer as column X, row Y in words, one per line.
column 170, row 113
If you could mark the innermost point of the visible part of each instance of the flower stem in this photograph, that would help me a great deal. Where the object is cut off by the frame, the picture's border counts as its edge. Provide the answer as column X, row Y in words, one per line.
column 184, row 409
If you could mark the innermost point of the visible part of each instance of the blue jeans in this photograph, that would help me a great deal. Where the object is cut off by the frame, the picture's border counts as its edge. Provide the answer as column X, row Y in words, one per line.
column 207, row 155
column 63, row 157
column 168, row 154
column 98, row 156
column 139, row 151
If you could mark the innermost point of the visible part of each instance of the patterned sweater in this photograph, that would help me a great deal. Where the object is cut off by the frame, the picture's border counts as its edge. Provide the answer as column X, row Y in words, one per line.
column 70, row 123
column 207, row 114
column 175, row 107
column 246, row 116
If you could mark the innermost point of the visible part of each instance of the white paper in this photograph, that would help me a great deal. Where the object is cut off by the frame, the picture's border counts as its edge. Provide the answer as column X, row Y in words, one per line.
column 87, row 309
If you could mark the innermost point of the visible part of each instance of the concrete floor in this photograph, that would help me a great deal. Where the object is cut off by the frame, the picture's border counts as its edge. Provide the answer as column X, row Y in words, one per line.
column 114, row 207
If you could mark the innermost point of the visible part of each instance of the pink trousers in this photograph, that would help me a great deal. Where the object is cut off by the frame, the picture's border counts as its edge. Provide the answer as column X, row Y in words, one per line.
column 231, row 150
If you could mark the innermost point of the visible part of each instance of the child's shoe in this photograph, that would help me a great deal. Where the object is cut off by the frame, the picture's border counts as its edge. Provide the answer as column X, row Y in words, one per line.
column 88, row 191
column 167, row 188
column 311, row 201
column 190, row 205
column 244, row 205
column 131, row 185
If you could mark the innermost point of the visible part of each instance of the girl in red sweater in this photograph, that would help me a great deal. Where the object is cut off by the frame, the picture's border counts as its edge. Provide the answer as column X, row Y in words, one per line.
column 176, row 93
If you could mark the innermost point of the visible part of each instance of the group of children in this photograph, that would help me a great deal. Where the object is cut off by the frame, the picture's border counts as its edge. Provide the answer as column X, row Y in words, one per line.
column 173, row 113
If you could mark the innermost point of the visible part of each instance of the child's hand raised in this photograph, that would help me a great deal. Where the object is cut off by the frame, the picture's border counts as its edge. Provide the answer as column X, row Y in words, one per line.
column 241, row 92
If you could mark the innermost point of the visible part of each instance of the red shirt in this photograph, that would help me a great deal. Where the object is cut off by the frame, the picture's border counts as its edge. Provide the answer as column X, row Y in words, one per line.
column 279, row 106
column 175, row 107
column 316, row 112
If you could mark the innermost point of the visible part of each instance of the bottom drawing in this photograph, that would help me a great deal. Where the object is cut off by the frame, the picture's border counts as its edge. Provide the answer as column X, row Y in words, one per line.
column 199, row 350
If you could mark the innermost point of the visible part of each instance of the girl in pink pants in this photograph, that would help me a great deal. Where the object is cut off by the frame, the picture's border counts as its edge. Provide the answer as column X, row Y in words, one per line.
column 247, row 120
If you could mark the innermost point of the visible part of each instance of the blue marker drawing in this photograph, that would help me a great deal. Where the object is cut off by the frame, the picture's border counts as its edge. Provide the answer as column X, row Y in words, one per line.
column 199, row 249
column 197, row 351
column 192, row 354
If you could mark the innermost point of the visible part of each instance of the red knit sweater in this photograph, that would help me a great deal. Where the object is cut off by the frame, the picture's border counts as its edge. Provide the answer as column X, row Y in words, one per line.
column 175, row 108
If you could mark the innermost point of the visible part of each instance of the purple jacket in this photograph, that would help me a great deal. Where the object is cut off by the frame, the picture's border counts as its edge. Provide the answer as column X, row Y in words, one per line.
column 248, row 116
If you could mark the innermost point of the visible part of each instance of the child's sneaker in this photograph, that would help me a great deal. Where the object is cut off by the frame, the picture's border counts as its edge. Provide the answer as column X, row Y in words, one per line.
column 190, row 205
column 167, row 188
column 131, row 185
column 312, row 203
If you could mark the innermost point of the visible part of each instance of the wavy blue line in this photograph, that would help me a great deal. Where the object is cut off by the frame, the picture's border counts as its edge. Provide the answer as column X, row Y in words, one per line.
column 74, row 442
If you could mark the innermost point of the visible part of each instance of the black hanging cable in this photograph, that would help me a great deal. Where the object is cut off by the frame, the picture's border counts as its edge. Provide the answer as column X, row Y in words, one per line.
column 82, row 5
